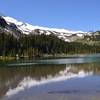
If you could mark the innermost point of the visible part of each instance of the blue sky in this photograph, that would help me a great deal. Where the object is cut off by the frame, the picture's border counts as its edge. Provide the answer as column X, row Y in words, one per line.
column 70, row 14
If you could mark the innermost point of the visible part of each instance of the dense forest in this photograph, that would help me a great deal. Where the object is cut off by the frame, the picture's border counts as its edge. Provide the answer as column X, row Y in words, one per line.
column 38, row 45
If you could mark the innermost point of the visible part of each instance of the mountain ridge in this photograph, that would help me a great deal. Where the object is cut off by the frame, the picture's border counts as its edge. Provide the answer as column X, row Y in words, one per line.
column 17, row 22
column 66, row 35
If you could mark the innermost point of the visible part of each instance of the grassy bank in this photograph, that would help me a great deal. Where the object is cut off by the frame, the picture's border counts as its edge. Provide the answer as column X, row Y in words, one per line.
column 10, row 58
column 7, row 58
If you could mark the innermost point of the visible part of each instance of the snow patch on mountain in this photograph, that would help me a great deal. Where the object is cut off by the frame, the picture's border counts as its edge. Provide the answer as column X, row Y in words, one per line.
column 25, row 27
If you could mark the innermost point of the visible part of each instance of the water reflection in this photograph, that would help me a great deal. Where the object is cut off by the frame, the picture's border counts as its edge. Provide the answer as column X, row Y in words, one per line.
column 11, row 76
column 28, row 82
column 20, row 78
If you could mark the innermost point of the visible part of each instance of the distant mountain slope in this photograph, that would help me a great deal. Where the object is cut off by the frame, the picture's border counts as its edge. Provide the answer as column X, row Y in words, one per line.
column 16, row 28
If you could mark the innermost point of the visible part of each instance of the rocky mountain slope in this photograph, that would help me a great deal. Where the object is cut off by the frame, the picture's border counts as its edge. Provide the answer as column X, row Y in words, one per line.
column 15, row 27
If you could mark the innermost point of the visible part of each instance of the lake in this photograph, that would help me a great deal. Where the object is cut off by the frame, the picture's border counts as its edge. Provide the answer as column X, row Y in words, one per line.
column 51, row 78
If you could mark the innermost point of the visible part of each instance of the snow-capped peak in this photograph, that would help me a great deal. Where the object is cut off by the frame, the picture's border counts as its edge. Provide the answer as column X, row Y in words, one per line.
column 26, row 28
column 67, row 35
column 12, row 20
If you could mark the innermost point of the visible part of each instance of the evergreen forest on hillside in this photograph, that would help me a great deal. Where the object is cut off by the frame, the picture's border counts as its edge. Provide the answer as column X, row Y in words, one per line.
column 38, row 45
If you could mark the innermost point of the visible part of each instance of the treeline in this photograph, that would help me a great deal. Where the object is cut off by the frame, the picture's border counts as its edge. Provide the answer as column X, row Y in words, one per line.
column 38, row 45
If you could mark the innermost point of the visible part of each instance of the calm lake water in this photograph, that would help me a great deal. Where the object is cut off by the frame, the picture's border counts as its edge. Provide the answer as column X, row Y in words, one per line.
column 78, row 75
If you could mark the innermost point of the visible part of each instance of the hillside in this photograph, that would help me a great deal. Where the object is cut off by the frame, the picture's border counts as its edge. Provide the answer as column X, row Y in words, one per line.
column 25, row 28
column 24, row 40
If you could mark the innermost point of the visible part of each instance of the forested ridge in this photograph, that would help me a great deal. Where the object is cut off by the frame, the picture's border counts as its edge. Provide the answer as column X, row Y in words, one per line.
column 38, row 45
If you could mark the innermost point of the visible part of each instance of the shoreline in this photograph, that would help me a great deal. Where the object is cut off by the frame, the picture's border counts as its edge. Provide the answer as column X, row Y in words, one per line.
column 7, row 58
column 10, row 58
